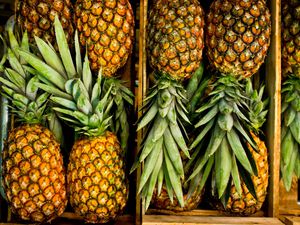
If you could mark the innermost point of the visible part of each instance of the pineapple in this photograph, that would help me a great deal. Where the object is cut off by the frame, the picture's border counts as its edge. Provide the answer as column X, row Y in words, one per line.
column 106, row 29
column 238, row 37
column 37, row 17
column 174, row 47
column 290, row 157
column 33, row 172
column 96, row 179
column 290, row 35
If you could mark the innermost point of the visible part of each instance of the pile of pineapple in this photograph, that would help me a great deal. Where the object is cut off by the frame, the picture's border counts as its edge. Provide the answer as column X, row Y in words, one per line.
column 202, row 116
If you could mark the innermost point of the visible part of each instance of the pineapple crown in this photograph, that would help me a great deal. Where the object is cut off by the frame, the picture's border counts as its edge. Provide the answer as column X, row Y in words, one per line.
column 84, row 106
column 29, row 103
column 257, row 106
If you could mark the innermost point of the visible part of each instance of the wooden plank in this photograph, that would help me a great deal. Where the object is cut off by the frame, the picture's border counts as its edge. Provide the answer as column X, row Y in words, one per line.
column 273, row 84
column 142, row 88
column 197, row 212
column 197, row 220
column 289, row 200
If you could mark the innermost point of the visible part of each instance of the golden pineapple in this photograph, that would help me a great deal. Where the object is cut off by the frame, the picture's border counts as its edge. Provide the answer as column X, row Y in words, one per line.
column 238, row 35
column 33, row 172
column 34, row 177
column 106, row 28
column 37, row 17
column 97, row 184
column 175, row 37
column 96, row 178
column 290, row 37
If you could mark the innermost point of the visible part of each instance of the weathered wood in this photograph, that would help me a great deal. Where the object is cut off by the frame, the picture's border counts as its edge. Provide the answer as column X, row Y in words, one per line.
column 273, row 86
column 197, row 220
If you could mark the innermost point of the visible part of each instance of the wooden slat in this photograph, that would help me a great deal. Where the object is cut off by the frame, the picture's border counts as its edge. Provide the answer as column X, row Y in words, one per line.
column 273, row 83
column 197, row 220
column 197, row 212
column 288, row 202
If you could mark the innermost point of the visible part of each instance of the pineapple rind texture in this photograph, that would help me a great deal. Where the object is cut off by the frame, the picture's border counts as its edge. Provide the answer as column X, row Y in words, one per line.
column 290, row 37
column 106, row 28
column 175, row 37
column 246, row 204
column 33, row 173
column 37, row 17
column 238, row 36
column 96, row 178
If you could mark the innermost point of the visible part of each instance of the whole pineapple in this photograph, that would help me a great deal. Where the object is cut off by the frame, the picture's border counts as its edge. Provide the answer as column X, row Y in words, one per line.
column 290, row 157
column 174, row 47
column 290, row 36
column 238, row 37
column 97, row 184
column 106, row 28
column 33, row 172
column 37, row 17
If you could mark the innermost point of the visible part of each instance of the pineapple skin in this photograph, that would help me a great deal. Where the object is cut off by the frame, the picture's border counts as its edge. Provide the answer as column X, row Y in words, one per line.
column 106, row 28
column 290, row 37
column 246, row 204
column 238, row 36
column 175, row 37
column 37, row 18
column 33, row 173
column 97, row 183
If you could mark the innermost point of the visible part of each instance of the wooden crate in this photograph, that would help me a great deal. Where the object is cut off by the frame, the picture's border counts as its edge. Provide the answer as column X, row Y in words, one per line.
column 273, row 86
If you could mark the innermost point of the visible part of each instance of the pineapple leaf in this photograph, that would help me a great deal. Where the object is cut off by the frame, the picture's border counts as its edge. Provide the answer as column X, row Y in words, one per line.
column 87, row 75
column 194, row 81
column 173, row 151
column 177, row 135
column 172, row 116
column 287, row 146
column 223, row 163
column 55, row 126
column 25, row 42
column 168, row 183
column 174, row 178
column 16, row 78
column 238, row 150
column 31, row 88
column 150, row 163
column 203, row 132
column 94, row 121
column 50, row 56
column 208, row 116
column 235, row 176
column 21, row 98
column 64, row 111
column 83, row 118
column 295, row 127
column 225, row 121
column 148, row 117
column 32, row 106
column 14, row 44
column 10, row 84
column 42, row 99
column 206, row 172
column 78, row 54
column 194, row 184
column 65, row 103
column 153, row 180
column 15, row 63
column 182, row 112
column 46, row 71
column 53, row 90
column 96, row 92
column 20, row 105
column 160, row 125
column 215, row 141
column 239, row 127
column 160, row 179
column 64, row 49
column 69, row 86
column 84, row 105
column 148, row 146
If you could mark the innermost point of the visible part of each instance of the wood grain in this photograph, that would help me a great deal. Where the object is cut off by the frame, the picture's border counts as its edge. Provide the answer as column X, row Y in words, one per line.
column 290, row 220
column 273, row 85
column 197, row 220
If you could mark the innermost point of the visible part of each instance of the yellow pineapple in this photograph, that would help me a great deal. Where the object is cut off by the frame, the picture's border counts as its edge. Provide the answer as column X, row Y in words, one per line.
column 33, row 172
column 96, row 179
column 37, row 17
column 106, row 28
